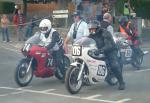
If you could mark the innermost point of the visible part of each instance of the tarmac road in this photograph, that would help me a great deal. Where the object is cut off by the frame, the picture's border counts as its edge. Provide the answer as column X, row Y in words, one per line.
column 51, row 90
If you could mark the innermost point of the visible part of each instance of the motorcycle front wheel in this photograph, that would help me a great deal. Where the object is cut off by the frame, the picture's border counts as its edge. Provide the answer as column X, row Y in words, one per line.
column 72, row 84
column 22, row 76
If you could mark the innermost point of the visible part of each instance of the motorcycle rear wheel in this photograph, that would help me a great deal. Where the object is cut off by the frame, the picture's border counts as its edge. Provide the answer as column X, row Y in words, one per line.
column 60, row 74
column 72, row 84
column 23, row 78
column 137, row 62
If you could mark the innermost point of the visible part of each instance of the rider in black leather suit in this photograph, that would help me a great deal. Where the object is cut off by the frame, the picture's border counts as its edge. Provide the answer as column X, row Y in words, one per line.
column 105, row 42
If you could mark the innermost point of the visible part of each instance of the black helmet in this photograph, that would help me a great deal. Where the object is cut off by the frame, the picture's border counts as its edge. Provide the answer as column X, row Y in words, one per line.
column 92, row 26
column 77, row 13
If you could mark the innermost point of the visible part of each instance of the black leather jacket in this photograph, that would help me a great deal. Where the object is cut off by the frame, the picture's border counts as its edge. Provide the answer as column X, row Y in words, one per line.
column 104, row 40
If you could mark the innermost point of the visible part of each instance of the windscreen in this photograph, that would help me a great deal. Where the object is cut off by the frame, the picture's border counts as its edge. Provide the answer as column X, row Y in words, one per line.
column 85, row 42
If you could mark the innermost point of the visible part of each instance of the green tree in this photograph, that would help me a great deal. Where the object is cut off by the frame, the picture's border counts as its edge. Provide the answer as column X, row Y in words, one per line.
column 141, row 7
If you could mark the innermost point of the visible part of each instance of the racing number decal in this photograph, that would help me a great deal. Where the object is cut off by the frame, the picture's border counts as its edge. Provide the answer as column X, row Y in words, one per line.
column 101, row 70
column 128, row 53
column 77, row 50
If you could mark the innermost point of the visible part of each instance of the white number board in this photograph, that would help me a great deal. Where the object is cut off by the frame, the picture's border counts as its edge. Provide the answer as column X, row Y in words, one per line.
column 76, row 50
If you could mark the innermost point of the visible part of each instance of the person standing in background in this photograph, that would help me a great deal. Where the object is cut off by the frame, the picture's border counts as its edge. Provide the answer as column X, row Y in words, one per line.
column 76, row 3
column 14, row 22
column 87, row 10
column 77, row 30
column 19, row 20
column 31, row 25
column 4, row 25
column 105, row 8
column 126, row 10
column 99, row 7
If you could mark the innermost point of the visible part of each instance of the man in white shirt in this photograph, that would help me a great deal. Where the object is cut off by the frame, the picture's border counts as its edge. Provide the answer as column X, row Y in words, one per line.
column 78, row 29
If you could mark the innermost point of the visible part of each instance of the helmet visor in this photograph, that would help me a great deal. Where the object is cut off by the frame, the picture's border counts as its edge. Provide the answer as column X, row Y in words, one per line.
column 43, row 28
column 91, row 30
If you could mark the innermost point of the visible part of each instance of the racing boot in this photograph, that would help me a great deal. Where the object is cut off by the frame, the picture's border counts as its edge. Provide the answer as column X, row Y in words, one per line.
column 121, row 86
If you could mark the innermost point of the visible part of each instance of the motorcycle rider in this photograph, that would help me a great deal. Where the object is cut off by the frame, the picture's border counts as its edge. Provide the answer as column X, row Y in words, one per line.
column 53, row 42
column 106, row 44
column 127, row 29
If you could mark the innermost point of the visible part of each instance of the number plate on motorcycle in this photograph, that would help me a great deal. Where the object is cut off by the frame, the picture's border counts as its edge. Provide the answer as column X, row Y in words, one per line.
column 128, row 53
column 76, row 50
column 101, row 71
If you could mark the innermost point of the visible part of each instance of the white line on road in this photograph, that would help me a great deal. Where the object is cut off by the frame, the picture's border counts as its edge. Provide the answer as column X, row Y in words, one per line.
column 12, row 93
column 123, row 100
column 15, row 88
column 143, row 70
column 90, row 98
column 49, row 90
column 17, row 92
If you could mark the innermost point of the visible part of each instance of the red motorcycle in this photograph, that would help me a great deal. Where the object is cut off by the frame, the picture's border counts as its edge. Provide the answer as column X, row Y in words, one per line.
column 37, row 62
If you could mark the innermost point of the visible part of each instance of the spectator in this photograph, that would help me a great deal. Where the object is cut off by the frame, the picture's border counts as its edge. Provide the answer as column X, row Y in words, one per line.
column 99, row 6
column 87, row 10
column 4, row 25
column 15, row 14
column 19, row 20
column 30, row 27
column 80, row 7
column 126, row 10
column 76, row 2
column 105, row 8
column 78, row 29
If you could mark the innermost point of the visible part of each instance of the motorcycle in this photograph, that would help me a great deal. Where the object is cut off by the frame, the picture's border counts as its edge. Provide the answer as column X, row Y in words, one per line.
column 38, row 61
column 87, row 67
column 127, row 54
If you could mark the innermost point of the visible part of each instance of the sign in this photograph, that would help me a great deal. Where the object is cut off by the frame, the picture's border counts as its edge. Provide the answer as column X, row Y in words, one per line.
column 60, row 14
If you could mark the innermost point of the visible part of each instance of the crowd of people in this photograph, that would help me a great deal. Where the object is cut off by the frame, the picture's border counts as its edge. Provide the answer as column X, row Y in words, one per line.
column 22, row 29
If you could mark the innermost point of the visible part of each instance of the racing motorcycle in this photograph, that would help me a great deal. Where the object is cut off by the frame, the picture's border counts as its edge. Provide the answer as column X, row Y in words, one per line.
column 38, row 61
column 127, row 55
column 87, row 67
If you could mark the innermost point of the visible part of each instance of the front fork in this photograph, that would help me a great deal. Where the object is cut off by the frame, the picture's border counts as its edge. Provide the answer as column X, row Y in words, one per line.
column 29, row 65
column 81, row 71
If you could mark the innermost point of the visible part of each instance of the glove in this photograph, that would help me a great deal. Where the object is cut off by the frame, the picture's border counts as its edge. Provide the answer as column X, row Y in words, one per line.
column 96, row 52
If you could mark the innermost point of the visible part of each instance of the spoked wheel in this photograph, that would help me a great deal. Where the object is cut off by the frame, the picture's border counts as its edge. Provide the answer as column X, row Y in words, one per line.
column 22, row 76
column 72, row 84
column 137, row 62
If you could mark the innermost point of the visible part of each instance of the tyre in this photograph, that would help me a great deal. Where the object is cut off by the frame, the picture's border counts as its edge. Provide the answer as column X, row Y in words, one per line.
column 137, row 62
column 66, row 62
column 60, row 74
column 72, row 84
column 22, row 77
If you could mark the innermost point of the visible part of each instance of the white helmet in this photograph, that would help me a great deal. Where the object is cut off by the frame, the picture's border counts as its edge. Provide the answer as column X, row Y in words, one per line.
column 45, row 26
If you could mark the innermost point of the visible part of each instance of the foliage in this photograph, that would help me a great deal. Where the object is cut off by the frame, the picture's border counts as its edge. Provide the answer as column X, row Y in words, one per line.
column 6, row 7
column 141, row 7
column 119, row 7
